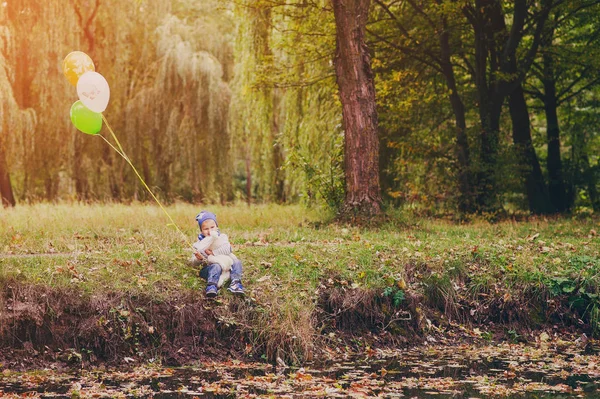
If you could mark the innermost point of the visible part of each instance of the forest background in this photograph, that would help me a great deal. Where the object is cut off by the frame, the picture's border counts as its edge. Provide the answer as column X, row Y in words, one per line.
column 483, row 105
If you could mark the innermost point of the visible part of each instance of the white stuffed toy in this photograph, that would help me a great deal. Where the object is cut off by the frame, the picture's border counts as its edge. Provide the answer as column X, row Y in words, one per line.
column 225, row 258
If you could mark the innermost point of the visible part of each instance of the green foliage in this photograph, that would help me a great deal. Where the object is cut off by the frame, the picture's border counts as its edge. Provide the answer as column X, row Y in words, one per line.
column 419, row 124
column 253, row 103
column 166, row 66
column 396, row 294
column 579, row 284
column 417, row 141
column 221, row 100
column 285, row 113
column 513, row 335
column 320, row 185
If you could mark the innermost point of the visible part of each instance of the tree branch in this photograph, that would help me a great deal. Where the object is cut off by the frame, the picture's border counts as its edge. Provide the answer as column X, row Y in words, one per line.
column 93, row 15
column 420, row 11
column 86, row 26
column 411, row 52
column 393, row 16
column 534, row 92
column 575, row 93
column 516, row 31
column 530, row 56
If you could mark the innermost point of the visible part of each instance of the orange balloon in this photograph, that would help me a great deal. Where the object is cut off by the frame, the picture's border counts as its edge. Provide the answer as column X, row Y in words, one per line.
column 75, row 64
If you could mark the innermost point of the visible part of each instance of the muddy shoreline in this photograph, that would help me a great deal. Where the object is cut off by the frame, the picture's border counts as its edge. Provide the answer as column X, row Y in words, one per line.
column 64, row 327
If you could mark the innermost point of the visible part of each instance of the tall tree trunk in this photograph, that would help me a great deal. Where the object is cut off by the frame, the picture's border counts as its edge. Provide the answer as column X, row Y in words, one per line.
column 486, row 27
column 584, row 175
column 465, row 198
column 487, row 181
column 556, row 183
column 535, row 186
column 6, row 192
column 82, row 185
column 79, row 173
column 497, row 76
column 278, row 161
column 357, row 95
column 248, row 176
column 590, row 177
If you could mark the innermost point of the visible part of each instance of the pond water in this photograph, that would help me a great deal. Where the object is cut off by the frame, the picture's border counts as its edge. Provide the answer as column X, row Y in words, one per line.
column 556, row 370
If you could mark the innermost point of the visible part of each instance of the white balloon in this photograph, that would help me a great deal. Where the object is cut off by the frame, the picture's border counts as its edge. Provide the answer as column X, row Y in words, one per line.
column 93, row 91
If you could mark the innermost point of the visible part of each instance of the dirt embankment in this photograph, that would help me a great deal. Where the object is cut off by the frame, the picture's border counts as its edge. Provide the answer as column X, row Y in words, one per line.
column 40, row 325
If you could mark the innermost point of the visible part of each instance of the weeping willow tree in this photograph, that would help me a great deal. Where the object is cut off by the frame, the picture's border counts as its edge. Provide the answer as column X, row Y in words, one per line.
column 253, row 101
column 312, row 131
column 285, row 111
column 57, row 161
column 169, row 66
column 169, row 97
column 171, row 100
column 15, row 122
column 32, row 64
column 186, row 135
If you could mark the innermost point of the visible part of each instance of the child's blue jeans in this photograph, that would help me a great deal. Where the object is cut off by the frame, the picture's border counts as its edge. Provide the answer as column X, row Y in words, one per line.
column 211, row 273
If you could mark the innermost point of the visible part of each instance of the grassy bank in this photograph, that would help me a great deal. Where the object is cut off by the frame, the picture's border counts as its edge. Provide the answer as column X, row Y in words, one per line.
column 309, row 279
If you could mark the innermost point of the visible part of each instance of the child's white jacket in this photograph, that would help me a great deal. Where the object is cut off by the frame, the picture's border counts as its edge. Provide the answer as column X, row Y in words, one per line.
column 222, row 254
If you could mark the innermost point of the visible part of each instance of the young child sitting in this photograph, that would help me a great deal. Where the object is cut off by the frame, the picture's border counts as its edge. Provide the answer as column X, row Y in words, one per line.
column 214, row 252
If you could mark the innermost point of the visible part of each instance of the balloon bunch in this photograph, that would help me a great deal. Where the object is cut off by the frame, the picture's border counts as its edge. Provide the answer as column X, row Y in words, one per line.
column 86, row 113
column 92, row 89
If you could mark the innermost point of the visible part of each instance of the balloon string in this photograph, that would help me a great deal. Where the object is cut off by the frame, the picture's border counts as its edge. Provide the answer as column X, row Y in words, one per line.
column 113, row 147
column 126, row 158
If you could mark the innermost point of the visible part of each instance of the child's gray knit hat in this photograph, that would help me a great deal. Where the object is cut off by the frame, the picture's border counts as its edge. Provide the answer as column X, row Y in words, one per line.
column 204, row 216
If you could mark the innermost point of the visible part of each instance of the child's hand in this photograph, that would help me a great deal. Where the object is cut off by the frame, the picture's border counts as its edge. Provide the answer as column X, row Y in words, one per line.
column 209, row 251
column 198, row 256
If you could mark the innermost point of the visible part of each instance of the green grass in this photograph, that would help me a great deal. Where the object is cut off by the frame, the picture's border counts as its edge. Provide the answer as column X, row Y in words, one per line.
column 291, row 253
column 129, row 247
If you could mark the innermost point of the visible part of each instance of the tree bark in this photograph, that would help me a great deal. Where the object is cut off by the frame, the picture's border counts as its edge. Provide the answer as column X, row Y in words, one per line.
column 82, row 185
column 498, row 75
column 590, row 177
column 357, row 94
column 584, row 174
column 556, row 183
column 535, row 186
column 488, row 26
column 278, row 160
column 6, row 192
column 248, row 176
column 78, row 170
column 531, row 172
column 465, row 198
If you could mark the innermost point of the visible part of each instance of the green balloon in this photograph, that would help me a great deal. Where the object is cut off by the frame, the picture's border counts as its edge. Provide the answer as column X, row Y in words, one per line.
column 84, row 119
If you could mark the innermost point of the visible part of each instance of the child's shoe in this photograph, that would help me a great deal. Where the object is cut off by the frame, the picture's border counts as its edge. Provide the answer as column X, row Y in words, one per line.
column 211, row 291
column 236, row 287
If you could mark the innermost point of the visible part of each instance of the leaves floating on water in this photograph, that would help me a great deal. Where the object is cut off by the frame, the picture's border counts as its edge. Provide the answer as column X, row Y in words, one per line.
column 544, row 371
